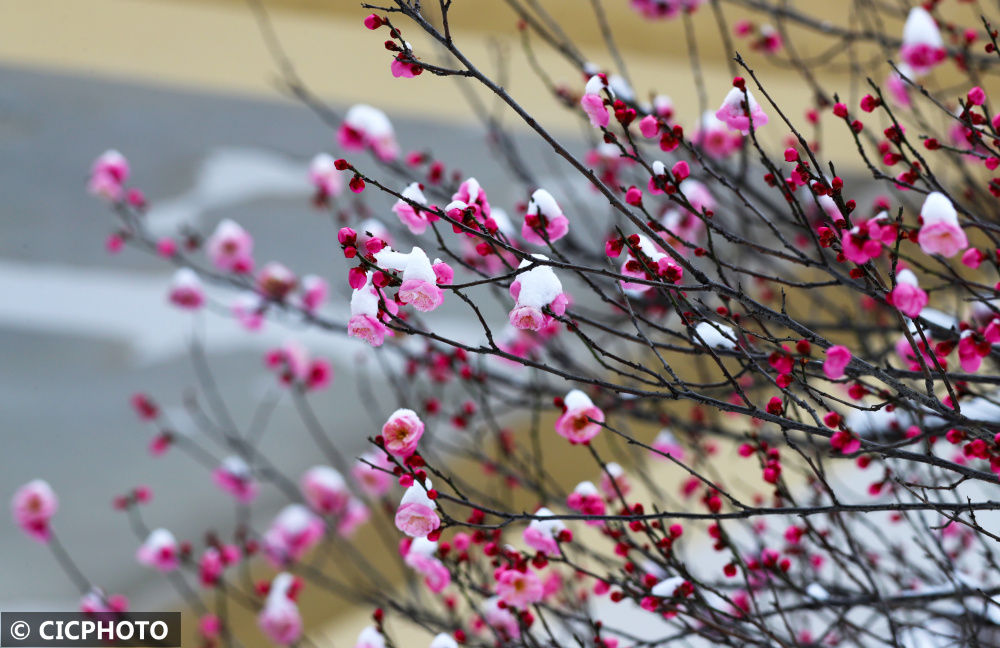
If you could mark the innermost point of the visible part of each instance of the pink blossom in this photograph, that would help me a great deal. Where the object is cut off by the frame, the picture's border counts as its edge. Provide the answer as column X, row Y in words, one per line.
column 421, row 558
column 419, row 287
column 414, row 218
column 33, row 506
column 368, row 476
column 837, row 359
column 649, row 126
column 581, row 420
column 734, row 115
column 402, row 432
column 660, row 9
column 186, row 291
column 324, row 490
column 108, row 174
column 314, row 292
column 666, row 443
column 416, row 515
column 940, row 233
column 501, row 619
column 542, row 535
column 614, row 480
column 898, row 89
column 533, row 290
column 294, row 531
column 598, row 113
column 367, row 127
column 279, row 618
column 96, row 601
column 160, row 551
column 353, row 516
column 421, row 294
column 715, row 138
column 275, row 281
column 527, row 318
column 324, row 175
column 234, row 477
column 210, row 626
column 586, row 499
column 368, row 329
column 544, row 215
column 923, row 47
column 401, row 67
column 907, row 296
column 248, row 309
column 443, row 273
column 517, row 588
column 230, row 247
column 863, row 242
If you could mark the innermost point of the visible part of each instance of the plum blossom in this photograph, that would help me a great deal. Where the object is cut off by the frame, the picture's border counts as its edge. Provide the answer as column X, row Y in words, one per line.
column 593, row 102
column 863, row 242
column 661, row 9
column 586, row 499
column 275, row 281
column 532, row 291
column 372, row 481
column 230, row 247
column 354, row 515
column 368, row 127
column 940, row 232
column 614, row 480
column 419, row 288
column 160, row 551
column 234, row 476
column 544, row 215
column 294, row 531
column 471, row 198
column 666, row 443
column 715, row 138
column 294, row 366
column 415, row 219
column 186, row 290
column 370, row 637
column 420, row 556
column 314, row 290
column 443, row 640
column 581, row 419
column 33, row 506
column 923, row 47
column 279, row 617
column 837, row 359
column 896, row 85
column 325, row 176
column 417, row 513
column 738, row 118
column 517, row 588
column 402, row 432
column 542, row 535
column 365, row 322
column 96, row 601
column 324, row 490
column 653, row 264
column 907, row 296
column 500, row 618
column 108, row 174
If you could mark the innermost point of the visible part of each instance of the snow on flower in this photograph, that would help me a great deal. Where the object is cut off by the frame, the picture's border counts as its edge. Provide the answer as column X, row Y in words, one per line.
column 33, row 506
column 923, row 47
column 160, row 551
column 421, row 557
column 230, row 247
column 417, row 513
column 294, row 531
column 443, row 640
column 419, row 288
column 370, row 637
column 646, row 261
column 328, row 180
column 593, row 103
column 501, row 619
column 907, row 296
column 279, row 617
column 542, row 535
column 666, row 587
column 736, row 116
column 314, row 290
column 544, row 215
column 233, row 476
column 401, row 433
column 414, row 218
column 940, row 232
column 186, row 290
column 368, row 127
column 324, row 490
column 108, row 175
column 365, row 323
column 586, row 499
column 581, row 419
column 532, row 291
column 713, row 334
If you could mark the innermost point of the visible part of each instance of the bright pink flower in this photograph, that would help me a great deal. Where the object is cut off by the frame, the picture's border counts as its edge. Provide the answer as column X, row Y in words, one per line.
column 907, row 296
column 324, row 175
column 367, row 127
column 367, row 328
column 416, row 515
column 581, row 420
column 186, row 291
column 402, row 432
column 413, row 217
column 542, row 535
column 517, row 588
column 230, row 247
column 324, row 490
column 715, row 138
column 96, row 601
column 279, row 618
column 501, row 619
column 210, row 626
column 234, row 477
column 421, row 294
column 160, row 551
column 366, row 473
column 532, row 291
column 210, row 567
column 898, row 89
column 403, row 68
column 421, row 557
column 33, row 506
column 940, row 233
column 660, row 9
column 443, row 273
column 598, row 113
column 666, row 443
column 649, row 126
column 544, row 215
column 736, row 116
column 108, row 174
column 527, row 318
column 837, row 359
column 293, row 532
column 248, row 309
column 586, row 499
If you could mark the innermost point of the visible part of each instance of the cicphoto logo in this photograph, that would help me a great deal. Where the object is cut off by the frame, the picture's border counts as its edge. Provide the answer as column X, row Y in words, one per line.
column 77, row 629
